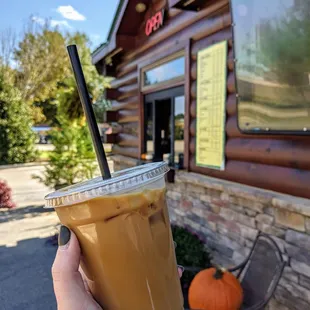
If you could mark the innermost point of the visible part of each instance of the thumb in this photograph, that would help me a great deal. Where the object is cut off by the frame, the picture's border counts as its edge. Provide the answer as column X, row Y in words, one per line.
column 68, row 283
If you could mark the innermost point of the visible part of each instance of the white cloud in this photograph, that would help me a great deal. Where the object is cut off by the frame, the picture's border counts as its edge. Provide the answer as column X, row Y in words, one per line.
column 67, row 11
column 63, row 23
column 53, row 22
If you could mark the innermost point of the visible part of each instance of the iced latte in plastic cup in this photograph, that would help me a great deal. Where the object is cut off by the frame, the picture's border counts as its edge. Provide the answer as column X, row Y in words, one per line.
column 124, row 231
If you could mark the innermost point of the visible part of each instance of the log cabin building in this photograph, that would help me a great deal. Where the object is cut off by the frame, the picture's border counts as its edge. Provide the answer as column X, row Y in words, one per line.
column 220, row 90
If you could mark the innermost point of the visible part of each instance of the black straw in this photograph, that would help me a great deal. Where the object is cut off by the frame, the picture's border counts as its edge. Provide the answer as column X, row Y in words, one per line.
column 88, row 110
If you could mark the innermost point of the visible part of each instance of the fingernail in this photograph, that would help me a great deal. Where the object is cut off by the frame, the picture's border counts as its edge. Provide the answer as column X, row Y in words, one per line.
column 64, row 236
column 175, row 244
column 181, row 267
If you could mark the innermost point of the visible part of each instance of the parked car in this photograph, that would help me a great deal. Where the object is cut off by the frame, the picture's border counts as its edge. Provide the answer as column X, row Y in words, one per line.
column 42, row 134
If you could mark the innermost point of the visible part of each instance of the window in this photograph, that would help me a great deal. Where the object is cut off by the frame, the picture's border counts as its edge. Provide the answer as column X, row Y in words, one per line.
column 164, row 126
column 166, row 70
column 271, row 42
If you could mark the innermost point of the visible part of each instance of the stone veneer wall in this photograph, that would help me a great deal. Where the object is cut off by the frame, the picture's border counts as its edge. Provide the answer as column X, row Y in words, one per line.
column 228, row 217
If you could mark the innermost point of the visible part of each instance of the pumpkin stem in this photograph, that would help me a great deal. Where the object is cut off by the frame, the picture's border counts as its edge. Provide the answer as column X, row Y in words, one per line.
column 218, row 273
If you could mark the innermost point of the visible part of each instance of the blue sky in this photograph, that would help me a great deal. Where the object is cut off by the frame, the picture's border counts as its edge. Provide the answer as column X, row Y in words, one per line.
column 94, row 17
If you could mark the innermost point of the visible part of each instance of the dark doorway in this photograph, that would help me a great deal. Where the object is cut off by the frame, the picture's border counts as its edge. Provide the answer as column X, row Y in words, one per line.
column 164, row 126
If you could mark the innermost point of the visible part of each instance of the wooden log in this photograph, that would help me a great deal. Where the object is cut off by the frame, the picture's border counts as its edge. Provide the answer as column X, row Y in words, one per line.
column 127, row 91
column 230, row 60
column 128, row 140
column 127, row 116
column 110, row 138
column 126, row 151
column 230, row 85
column 181, row 22
column 283, row 153
column 222, row 35
column 131, row 78
column 231, row 106
column 230, row 66
column 130, row 103
column 111, row 93
column 280, row 179
column 110, row 116
column 232, row 131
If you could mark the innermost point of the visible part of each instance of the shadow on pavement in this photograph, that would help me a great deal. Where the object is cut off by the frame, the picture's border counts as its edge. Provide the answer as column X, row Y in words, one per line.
column 25, row 275
column 20, row 213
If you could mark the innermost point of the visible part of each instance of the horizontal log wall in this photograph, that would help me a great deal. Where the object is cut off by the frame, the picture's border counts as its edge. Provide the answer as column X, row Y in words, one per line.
column 275, row 162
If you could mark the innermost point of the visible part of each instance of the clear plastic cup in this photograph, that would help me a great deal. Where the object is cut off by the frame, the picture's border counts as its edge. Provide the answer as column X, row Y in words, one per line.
column 124, row 231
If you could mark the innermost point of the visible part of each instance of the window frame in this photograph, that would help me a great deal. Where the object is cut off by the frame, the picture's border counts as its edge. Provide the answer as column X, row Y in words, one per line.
column 160, row 53
column 164, row 84
column 261, row 132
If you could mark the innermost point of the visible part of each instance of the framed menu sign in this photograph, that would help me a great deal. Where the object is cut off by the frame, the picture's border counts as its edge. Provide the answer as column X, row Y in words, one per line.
column 211, row 101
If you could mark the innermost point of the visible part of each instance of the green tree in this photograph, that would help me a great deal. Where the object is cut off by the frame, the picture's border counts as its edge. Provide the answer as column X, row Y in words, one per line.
column 41, row 64
column 67, row 95
column 16, row 136
column 73, row 159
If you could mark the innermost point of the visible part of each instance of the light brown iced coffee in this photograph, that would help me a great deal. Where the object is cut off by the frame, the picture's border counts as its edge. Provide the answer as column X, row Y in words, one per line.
column 127, row 244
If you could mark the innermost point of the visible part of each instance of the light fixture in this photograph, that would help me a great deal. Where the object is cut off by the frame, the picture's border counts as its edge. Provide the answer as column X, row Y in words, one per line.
column 140, row 7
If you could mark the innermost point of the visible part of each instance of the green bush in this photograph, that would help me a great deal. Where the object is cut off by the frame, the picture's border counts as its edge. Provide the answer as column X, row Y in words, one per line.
column 73, row 159
column 190, row 252
column 16, row 136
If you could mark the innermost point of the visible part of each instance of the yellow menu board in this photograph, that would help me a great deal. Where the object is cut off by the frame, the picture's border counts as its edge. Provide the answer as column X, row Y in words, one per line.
column 211, row 99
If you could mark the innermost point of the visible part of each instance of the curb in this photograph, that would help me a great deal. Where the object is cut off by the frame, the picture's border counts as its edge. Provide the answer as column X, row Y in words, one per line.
column 2, row 167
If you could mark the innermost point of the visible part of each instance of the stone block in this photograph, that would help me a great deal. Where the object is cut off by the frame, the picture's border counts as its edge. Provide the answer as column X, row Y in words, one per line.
column 224, row 196
column 238, row 258
column 290, row 219
column 280, row 243
column 179, row 187
column 192, row 224
column 283, row 296
column 247, row 232
column 296, row 290
column 290, row 274
column 195, row 218
column 264, row 218
column 275, row 305
column 300, row 254
column 174, row 195
column 304, row 281
column 180, row 212
column 249, row 212
column 297, row 239
column 307, row 224
column 236, row 208
column 234, row 216
column 224, row 229
column 293, row 204
column 215, row 218
column 269, row 211
column 271, row 230
column 229, row 243
column 186, row 204
column 248, row 203
column 194, row 189
column 300, row 267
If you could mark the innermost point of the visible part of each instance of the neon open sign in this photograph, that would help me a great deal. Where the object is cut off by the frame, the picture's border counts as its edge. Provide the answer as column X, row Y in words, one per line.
column 154, row 22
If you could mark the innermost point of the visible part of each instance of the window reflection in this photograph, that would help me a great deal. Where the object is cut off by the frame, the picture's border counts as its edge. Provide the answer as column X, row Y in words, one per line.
column 272, row 40
column 149, row 142
column 165, row 72
column 179, row 111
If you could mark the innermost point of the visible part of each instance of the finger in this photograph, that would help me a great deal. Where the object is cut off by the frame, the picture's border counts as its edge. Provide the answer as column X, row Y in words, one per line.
column 68, row 282
column 180, row 270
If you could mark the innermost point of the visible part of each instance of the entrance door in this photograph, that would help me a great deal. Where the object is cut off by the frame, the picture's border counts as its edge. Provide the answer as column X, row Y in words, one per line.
column 164, row 126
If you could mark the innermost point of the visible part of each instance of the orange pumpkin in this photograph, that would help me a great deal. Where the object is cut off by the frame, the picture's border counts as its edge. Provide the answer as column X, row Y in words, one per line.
column 215, row 289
